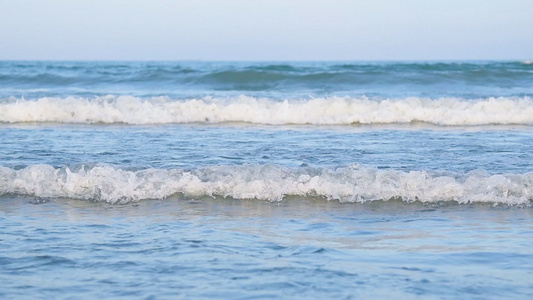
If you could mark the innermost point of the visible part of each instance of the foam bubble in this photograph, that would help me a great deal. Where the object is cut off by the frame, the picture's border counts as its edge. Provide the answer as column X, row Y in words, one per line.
column 327, row 111
column 266, row 182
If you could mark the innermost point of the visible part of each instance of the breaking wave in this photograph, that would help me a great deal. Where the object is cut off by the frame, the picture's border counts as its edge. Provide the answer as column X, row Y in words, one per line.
column 266, row 182
column 320, row 111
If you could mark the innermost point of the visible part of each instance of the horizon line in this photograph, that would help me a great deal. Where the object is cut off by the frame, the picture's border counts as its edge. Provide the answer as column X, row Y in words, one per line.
column 270, row 60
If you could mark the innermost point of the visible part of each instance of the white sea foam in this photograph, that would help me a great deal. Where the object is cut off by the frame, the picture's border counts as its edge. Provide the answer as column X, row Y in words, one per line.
column 333, row 110
column 266, row 182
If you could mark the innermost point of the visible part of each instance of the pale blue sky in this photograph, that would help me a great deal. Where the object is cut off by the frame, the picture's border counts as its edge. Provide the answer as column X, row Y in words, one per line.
column 266, row 29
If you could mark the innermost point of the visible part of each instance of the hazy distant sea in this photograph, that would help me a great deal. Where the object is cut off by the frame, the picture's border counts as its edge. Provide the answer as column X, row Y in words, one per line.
column 241, row 180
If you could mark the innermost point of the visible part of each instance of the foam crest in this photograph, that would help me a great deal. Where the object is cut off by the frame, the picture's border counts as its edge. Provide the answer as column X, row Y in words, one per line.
column 266, row 182
column 326, row 111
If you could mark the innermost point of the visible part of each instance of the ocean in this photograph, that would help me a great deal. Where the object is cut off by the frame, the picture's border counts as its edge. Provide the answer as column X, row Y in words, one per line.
column 250, row 180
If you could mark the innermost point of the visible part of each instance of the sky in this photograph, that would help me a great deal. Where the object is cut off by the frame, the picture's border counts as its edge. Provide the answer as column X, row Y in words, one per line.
column 266, row 30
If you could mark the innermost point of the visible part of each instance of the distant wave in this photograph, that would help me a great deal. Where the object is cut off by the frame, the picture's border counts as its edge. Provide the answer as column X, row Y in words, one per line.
column 266, row 182
column 447, row 78
column 320, row 111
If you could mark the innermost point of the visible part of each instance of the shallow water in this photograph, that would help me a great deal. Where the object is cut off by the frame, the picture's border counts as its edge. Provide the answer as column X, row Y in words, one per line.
column 298, row 248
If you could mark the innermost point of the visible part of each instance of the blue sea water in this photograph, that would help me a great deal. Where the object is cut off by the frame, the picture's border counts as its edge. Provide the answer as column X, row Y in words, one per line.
column 248, row 180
